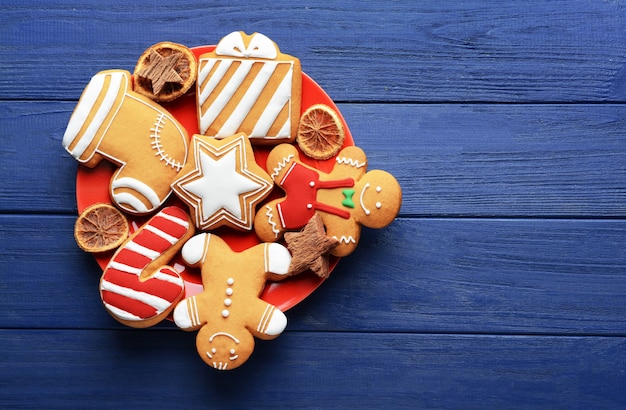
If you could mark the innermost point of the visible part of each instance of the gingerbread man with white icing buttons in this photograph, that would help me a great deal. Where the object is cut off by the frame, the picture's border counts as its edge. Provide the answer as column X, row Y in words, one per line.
column 346, row 198
column 228, row 314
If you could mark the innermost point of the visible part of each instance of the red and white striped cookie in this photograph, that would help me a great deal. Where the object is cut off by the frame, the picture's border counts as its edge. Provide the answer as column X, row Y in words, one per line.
column 137, row 288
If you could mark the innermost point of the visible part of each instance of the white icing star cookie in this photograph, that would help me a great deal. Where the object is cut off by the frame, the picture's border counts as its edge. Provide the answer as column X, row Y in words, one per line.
column 221, row 182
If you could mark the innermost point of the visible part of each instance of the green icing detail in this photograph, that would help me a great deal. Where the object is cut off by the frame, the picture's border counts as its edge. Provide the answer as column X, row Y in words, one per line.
column 348, row 202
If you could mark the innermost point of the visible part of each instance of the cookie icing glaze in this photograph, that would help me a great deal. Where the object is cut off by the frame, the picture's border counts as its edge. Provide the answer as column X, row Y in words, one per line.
column 134, row 289
column 222, row 183
column 247, row 85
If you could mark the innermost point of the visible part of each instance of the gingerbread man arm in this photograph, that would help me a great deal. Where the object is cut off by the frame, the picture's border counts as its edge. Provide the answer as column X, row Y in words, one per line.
column 351, row 162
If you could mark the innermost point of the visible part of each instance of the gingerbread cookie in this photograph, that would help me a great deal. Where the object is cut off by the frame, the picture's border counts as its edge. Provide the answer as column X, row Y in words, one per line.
column 113, row 122
column 346, row 198
column 247, row 85
column 222, row 183
column 229, row 312
column 136, row 287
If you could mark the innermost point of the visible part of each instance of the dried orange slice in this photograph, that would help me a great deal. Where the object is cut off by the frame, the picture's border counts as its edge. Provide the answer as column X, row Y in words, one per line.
column 100, row 228
column 165, row 71
column 320, row 132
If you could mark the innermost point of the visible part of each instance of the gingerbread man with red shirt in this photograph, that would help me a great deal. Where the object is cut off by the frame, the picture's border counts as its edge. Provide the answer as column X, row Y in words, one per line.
column 347, row 198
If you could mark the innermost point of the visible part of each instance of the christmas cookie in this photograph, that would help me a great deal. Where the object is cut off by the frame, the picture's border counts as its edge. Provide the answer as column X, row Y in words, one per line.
column 222, row 183
column 247, row 85
column 346, row 198
column 228, row 314
column 136, row 287
column 165, row 71
column 114, row 123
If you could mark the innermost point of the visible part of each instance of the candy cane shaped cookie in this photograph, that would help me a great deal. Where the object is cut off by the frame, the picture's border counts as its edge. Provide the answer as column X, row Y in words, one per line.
column 136, row 288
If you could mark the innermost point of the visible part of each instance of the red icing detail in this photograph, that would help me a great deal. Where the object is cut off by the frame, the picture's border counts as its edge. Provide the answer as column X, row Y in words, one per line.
column 133, row 306
column 300, row 185
column 132, row 259
column 153, row 286
column 137, row 260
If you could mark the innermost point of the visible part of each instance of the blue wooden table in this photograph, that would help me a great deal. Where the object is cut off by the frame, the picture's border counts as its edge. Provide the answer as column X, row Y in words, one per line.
column 501, row 284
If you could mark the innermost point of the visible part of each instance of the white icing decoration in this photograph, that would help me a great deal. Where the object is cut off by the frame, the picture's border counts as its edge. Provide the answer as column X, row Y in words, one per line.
column 142, row 250
column 129, row 202
column 281, row 97
column 122, row 314
column 138, row 186
column 124, row 268
column 378, row 189
column 223, row 334
column 270, row 220
column 176, row 220
column 186, row 314
column 156, row 144
column 345, row 239
column 156, row 302
column 272, row 322
column 212, row 72
column 229, row 291
column 228, row 302
column 85, row 106
column 220, row 185
column 233, row 45
column 277, row 258
column 241, row 111
column 378, row 205
column 367, row 211
column 194, row 249
column 225, row 313
column 282, row 164
column 350, row 161
column 171, row 239
column 230, row 281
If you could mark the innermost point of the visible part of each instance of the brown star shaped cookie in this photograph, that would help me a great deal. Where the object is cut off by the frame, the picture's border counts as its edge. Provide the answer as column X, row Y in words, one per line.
column 309, row 248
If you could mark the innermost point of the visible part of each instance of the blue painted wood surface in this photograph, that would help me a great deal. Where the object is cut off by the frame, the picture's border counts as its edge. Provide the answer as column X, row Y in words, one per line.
column 501, row 284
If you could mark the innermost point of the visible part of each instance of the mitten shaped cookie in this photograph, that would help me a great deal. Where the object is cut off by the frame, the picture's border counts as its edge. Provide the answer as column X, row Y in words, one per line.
column 136, row 287
column 113, row 122
column 347, row 198
column 229, row 312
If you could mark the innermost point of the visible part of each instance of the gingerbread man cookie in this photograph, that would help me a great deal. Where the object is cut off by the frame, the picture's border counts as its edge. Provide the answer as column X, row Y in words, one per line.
column 113, row 122
column 229, row 312
column 346, row 198
column 222, row 183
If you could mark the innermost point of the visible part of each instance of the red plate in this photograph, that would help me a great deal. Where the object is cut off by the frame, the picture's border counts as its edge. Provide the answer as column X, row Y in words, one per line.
column 92, row 186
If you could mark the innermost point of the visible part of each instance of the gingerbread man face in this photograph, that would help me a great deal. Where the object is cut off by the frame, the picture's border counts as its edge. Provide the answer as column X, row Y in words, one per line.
column 229, row 313
column 346, row 198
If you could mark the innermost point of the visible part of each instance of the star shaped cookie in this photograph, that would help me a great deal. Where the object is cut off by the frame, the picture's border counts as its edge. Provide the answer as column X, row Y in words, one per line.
column 310, row 247
column 221, row 182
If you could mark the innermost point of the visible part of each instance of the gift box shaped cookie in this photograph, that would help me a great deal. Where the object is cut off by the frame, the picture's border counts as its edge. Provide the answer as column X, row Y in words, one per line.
column 247, row 85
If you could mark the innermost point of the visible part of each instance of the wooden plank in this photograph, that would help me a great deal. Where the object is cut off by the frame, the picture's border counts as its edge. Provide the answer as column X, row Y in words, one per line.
column 451, row 160
column 512, row 276
column 433, row 51
column 302, row 369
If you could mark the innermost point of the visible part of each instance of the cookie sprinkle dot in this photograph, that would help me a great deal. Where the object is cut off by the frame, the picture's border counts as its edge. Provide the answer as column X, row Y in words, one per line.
column 225, row 313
